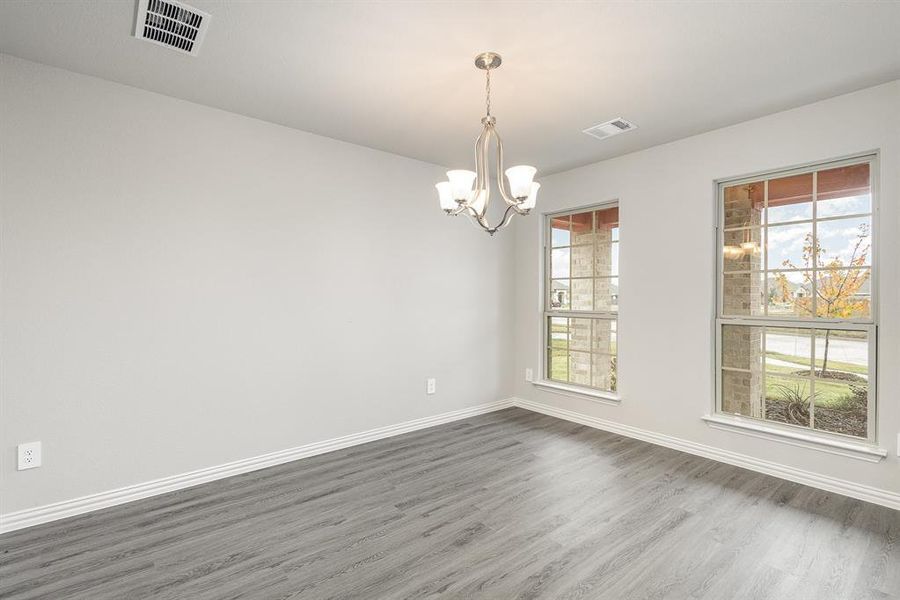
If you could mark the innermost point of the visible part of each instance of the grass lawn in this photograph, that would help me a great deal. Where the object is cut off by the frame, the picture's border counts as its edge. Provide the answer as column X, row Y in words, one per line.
column 832, row 364
column 829, row 393
column 559, row 368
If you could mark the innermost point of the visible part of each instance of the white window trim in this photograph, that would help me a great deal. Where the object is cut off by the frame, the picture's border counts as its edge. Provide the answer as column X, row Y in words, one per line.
column 802, row 437
column 572, row 389
column 865, row 449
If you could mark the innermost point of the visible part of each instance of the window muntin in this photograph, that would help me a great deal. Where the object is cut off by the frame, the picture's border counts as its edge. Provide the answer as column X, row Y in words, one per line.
column 796, row 321
column 582, row 298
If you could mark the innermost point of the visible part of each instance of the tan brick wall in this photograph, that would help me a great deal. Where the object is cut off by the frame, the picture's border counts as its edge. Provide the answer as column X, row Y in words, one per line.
column 588, row 263
column 743, row 294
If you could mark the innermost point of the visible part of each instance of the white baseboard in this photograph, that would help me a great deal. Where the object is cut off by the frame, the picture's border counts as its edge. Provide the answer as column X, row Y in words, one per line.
column 830, row 484
column 77, row 506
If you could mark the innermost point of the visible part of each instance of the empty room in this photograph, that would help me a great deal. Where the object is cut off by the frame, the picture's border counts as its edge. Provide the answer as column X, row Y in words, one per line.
column 428, row 299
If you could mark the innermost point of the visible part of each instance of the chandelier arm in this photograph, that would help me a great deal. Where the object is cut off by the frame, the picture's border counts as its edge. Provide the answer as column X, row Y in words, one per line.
column 460, row 208
column 479, row 175
column 477, row 220
column 501, row 179
column 482, row 182
column 483, row 169
column 507, row 217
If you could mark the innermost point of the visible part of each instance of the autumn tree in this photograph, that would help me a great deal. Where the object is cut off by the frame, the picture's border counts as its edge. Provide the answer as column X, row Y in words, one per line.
column 784, row 288
column 837, row 286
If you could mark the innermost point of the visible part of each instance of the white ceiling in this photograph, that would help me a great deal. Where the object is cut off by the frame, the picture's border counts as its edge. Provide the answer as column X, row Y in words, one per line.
column 398, row 76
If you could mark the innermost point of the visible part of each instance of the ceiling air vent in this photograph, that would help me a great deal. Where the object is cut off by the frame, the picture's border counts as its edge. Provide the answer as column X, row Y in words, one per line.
column 171, row 24
column 610, row 128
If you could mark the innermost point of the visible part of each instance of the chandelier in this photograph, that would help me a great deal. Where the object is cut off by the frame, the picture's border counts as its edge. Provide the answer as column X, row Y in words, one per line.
column 469, row 191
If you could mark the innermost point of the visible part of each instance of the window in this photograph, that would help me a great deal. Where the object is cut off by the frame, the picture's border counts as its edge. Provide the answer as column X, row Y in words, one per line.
column 581, row 301
column 796, row 314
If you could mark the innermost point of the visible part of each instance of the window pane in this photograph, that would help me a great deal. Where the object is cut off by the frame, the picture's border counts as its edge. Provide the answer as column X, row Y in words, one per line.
column 582, row 261
column 789, row 294
column 606, row 259
column 603, row 372
column 742, row 347
column 842, row 350
column 607, row 223
column 559, row 262
column 788, row 373
column 614, row 266
column 743, row 204
column 559, row 231
column 580, row 368
column 841, row 384
column 742, row 293
column 788, row 400
column 582, row 294
column 604, row 336
column 740, row 394
column 580, row 334
column 790, row 198
column 851, row 205
column 741, row 250
column 558, row 365
column 766, row 372
column 741, row 359
column 844, row 242
column 788, row 350
column 843, row 293
column 583, row 228
column 789, row 246
column 842, row 407
column 843, row 182
column 559, row 294
column 558, row 332
column 606, row 294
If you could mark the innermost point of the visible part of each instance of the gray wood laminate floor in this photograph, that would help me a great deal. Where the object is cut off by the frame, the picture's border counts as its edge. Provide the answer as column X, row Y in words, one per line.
column 506, row 505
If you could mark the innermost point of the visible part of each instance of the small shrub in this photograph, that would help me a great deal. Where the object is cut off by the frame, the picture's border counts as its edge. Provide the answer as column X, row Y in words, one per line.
column 797, row 402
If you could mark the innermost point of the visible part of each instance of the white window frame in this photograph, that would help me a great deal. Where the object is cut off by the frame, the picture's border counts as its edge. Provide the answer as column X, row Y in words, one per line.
column 836, row 443
column 593, row 393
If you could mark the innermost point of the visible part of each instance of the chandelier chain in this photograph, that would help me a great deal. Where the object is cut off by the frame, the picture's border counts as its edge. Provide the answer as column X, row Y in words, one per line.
column 487, row 91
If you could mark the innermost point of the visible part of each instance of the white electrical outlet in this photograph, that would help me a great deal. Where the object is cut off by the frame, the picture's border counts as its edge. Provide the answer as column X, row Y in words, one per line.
column 29, row 455
column 898, row 444
column 529, row 375
column 430, row 385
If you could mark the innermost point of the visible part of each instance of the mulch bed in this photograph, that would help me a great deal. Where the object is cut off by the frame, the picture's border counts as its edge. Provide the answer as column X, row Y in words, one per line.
column 840, row 376
column 850, row 421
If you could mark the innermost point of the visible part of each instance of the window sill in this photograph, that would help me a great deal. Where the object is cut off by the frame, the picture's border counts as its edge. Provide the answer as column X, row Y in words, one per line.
column 578, row 391
column 813, row 441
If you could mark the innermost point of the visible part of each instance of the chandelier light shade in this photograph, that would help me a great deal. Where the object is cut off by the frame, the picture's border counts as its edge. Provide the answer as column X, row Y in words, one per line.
column 469, row 191
column 445, row 193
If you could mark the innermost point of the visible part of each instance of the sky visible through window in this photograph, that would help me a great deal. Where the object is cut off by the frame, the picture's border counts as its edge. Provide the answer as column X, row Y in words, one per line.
column 837, row 238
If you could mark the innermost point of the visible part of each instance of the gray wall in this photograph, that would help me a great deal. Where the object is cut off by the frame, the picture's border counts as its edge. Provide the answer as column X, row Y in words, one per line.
column 667, row 266
column 184, row 287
